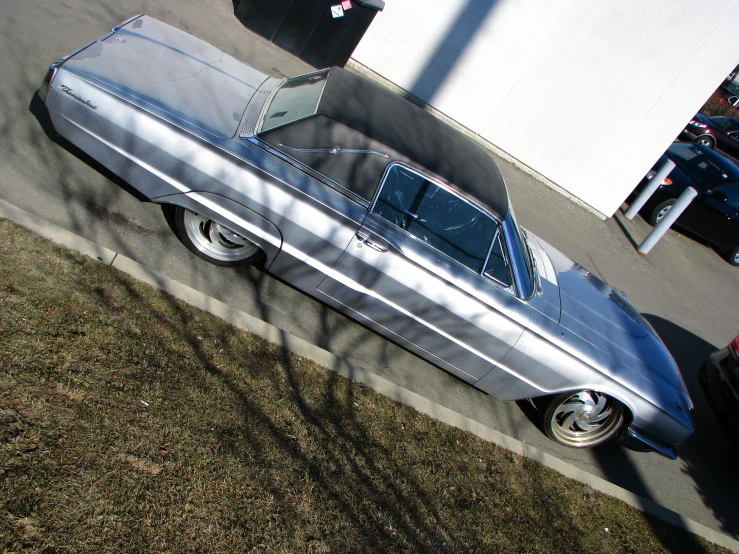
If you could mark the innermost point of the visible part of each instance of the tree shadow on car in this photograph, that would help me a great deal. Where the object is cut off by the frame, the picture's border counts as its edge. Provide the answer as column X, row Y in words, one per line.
column 41, row 113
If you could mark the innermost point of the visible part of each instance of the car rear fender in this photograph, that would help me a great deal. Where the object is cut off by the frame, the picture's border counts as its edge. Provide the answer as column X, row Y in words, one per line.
column 233, row 215
column 134, row 144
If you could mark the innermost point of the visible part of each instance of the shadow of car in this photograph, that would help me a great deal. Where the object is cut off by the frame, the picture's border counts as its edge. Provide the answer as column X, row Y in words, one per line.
column 719, row 132
column 719, row 379
column 714, row 214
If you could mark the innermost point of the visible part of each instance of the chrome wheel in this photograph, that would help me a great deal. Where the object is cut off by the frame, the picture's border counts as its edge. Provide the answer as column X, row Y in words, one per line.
column 213, row 241
column 662, row 213
column 733, row 256
column 705, row 141
column 659, row 213
column 583, row 419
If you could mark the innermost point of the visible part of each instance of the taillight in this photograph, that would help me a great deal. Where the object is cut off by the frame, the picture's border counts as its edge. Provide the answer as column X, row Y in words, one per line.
column 667, row 181
column 49, row 76
column 734, row 345
column 51, row 71
column 43, row 90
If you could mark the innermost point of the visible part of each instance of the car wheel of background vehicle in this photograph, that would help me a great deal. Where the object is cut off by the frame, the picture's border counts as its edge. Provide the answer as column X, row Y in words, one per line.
column 581, row 419
column 660, row 211
column 214, row 242
column 706, row 140
column 733, row 256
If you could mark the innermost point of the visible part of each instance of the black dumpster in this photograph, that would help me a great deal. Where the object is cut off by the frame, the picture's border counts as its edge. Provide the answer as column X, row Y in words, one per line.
column 320, row 32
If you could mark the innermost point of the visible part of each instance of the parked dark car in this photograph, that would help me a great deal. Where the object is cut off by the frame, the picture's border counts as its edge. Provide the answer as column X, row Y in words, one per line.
column 714, row 214
column 719, row 132
column 719, row 378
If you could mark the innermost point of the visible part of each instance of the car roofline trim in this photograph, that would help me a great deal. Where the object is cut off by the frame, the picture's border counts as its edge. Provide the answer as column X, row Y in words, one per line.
column 126, row 22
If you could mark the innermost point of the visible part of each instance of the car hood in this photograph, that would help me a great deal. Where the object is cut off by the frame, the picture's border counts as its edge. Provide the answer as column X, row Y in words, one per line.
column 172, row 71
column 595, row 312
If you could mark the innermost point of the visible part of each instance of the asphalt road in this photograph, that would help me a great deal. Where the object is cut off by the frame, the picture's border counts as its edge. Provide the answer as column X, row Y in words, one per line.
column 688, row 293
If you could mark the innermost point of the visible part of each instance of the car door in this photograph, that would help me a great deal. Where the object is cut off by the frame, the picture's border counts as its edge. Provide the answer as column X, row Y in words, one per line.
column 415, row 273
column 731, row 144
column 713, row 215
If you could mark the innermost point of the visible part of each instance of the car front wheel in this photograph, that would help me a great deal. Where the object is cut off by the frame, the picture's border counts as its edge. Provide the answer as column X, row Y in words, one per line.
column 660, row 212
column 733, row 256
column 706, row 140
column 213, row 241
column 581, row 419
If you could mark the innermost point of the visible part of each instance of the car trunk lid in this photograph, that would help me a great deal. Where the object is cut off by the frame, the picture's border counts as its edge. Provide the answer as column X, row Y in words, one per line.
column 171, row 71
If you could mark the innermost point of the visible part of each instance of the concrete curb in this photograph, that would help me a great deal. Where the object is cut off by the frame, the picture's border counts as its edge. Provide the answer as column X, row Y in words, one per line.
column 352, row 369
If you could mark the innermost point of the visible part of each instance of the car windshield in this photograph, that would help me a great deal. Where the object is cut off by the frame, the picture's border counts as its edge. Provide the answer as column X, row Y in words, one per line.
column 726, row 123
column 704, row 166
column 296, row 99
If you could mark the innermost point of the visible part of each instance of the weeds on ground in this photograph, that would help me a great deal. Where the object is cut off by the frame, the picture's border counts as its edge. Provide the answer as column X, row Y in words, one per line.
column 717, row 105
column 130, row 421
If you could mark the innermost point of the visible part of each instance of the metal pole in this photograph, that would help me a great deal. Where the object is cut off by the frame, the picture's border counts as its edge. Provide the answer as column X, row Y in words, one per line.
column 648, row 191
column 661, row 228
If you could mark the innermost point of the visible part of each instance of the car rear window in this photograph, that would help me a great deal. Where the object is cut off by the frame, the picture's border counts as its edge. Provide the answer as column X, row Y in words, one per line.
column 296, row 99
column 702, row 165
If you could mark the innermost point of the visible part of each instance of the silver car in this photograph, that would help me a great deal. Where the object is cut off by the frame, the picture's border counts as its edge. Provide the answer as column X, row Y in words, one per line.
column 375, row 207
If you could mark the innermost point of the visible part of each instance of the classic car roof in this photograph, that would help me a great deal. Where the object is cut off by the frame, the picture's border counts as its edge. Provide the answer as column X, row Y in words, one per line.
column 416, row 134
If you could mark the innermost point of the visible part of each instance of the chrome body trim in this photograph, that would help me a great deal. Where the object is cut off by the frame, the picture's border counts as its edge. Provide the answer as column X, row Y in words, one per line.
column 556, row 330
column 126, row 22
column 257, row 106
column 335, row 151
column 306, row 169
column 51, row 72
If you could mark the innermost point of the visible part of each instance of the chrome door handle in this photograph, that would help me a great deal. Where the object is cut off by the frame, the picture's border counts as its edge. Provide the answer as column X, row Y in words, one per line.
column 364, row 239
column 374, row 246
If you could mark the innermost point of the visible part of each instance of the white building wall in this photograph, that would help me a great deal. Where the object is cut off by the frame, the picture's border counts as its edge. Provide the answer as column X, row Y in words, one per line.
column 587, row 93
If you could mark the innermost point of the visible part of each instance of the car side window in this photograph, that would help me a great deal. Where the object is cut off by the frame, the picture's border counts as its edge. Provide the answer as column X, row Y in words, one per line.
column 699, row 165
column 436, row 216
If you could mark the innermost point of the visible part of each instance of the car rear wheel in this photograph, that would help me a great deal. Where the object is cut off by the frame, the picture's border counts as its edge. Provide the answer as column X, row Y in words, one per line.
column 733, row 256
column 581, row 419
column 660, row 211
column 706, row 140
column 213, row 241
